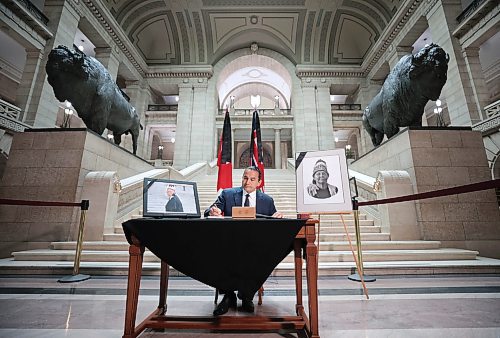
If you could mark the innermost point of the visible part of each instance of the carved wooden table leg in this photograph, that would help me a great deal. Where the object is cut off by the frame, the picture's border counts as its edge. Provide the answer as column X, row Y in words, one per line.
column 297, row 248
column 162, row 306
column 136, row 252
column 312, row 280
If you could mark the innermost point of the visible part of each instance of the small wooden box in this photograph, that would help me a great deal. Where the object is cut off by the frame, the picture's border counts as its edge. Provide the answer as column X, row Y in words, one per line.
column 244, row 212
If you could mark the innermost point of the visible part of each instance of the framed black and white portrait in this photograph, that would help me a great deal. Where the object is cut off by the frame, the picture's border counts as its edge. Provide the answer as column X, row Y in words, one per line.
column 322, row 181
column 170, row 198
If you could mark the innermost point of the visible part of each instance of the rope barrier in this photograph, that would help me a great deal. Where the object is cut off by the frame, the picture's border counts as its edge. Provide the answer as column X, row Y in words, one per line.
column 438, row 193
column 39, row 203
column 84, row 206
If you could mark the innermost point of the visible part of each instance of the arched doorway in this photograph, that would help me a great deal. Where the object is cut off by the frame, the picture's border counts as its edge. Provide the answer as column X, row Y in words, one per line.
column 244, row 160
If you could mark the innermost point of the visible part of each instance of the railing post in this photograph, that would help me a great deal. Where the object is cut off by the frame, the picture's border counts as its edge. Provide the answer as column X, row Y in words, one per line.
column 76, row 276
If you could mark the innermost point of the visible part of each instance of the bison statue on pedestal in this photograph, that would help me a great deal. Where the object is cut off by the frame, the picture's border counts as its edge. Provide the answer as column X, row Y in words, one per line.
column 414, row 81
column 83, row 81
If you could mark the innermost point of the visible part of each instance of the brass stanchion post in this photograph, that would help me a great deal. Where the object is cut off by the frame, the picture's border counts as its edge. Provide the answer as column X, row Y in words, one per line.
column 76, row 276
column 359, row 276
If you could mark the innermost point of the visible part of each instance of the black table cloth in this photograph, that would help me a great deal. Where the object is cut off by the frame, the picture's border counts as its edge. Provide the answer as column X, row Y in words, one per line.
column 227, row 254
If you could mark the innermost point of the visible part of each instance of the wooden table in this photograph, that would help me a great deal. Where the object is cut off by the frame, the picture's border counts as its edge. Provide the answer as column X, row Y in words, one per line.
column 304, row 246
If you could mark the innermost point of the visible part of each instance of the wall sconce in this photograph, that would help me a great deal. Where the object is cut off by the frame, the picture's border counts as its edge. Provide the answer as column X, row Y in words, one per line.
column 160, row 152
column 172, row 140
column 177, row 98
column 68, row 112
column 438, row 110
column 348, row 152
column 336, row 139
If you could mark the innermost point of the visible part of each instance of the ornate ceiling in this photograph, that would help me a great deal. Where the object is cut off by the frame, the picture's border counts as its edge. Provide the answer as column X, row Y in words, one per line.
column 202, row 31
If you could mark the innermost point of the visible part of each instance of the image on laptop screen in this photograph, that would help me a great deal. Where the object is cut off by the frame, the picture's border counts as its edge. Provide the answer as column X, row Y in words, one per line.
column 170, row 198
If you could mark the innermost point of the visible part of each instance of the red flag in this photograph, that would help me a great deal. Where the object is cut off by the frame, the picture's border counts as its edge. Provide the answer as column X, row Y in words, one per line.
column 225, row 174
column 256, row 154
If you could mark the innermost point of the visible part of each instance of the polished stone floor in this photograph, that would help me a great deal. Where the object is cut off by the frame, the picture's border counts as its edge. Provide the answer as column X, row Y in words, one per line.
column 399, row 306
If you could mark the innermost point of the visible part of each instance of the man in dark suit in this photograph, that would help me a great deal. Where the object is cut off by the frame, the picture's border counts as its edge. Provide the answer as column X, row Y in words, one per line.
column 246, row 195
column 174, row 204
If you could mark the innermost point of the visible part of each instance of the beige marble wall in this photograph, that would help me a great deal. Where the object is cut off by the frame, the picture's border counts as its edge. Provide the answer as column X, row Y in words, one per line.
column 438, row 159
column 51, row 166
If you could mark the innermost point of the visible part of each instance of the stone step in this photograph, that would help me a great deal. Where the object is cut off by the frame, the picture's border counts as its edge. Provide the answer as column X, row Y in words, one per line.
column 324, row 256
column 323, row 230
column 324, row 246
column 342, row 237
column 348, row 222
column 86, row 256
column 367, row 236
column 396, row 255
column 9, row 266
column 379, row 245
column 350, row 229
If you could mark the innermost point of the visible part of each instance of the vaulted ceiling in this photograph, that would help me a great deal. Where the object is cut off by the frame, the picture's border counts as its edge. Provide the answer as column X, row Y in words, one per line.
column 202, row 31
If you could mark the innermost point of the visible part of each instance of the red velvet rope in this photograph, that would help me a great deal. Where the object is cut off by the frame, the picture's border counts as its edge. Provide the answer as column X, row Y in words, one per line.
column 43, row 203
column 438, row 193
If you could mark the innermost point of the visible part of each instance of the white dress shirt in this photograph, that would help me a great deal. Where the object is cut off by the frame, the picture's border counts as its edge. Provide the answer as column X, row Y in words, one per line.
column 251, row 199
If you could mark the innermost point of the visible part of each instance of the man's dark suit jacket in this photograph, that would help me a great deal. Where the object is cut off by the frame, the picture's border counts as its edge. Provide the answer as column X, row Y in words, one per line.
column 232, row 197
column 174, row 204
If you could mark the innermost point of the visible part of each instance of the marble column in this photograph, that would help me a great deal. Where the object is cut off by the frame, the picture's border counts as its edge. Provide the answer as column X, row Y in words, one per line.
column 324, row 117
column 43, row 106
column 277, row 148
column 139, row 97
column 199, row 150
column 397, row 53
column 194, row 135
column 109, row 60
column 457, row 92
column 27, row 85
column 478, row 84
column 183, row 128
column 233, row 147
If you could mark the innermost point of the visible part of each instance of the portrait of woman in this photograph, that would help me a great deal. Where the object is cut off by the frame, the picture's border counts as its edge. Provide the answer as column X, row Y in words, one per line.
column 322, row 181
column 320, row 188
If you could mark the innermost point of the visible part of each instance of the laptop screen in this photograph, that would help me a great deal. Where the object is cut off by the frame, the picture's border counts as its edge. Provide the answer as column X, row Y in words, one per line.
column 169, row 198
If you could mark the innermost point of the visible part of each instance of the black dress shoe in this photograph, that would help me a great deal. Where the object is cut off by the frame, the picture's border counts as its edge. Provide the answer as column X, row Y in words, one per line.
column 229, row 301
column 247, row 305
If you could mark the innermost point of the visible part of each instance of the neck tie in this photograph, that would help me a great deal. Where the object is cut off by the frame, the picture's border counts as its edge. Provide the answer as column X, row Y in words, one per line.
column 247, row 201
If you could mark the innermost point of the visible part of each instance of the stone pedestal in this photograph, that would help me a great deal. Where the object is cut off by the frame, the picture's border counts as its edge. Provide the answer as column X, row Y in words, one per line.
column 51, row 165
column 438, row 158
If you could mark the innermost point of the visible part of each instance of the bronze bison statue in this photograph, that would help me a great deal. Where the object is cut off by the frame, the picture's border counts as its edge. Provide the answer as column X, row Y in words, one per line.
column 414, row 81
column 83, row 81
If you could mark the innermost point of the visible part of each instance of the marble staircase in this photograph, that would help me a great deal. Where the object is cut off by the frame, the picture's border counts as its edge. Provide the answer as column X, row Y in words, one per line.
column 380, row 254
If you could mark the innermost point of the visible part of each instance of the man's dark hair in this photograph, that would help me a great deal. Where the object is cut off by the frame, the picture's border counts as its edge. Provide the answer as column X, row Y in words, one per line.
column 253, row 168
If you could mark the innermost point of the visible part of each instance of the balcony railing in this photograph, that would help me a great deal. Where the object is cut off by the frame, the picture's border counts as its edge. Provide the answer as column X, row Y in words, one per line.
column 9, row 110
column 162, row 107
column 249, row 112
column 492, row 109
column 469, row 10
column 9, row 117
column 353, row 106
column 492, row 121
column 33, row 10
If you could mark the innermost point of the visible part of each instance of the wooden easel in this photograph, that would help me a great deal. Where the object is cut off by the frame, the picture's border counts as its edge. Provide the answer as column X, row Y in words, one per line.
column 358, row 259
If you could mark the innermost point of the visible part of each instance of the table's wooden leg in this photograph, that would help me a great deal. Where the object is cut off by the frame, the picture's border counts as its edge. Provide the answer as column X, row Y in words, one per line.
column 136, row 253
column 162, row 306
column 297, row 249
column 312, row 281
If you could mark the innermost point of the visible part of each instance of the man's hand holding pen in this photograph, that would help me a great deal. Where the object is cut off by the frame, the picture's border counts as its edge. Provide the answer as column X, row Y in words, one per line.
column 215, row 211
